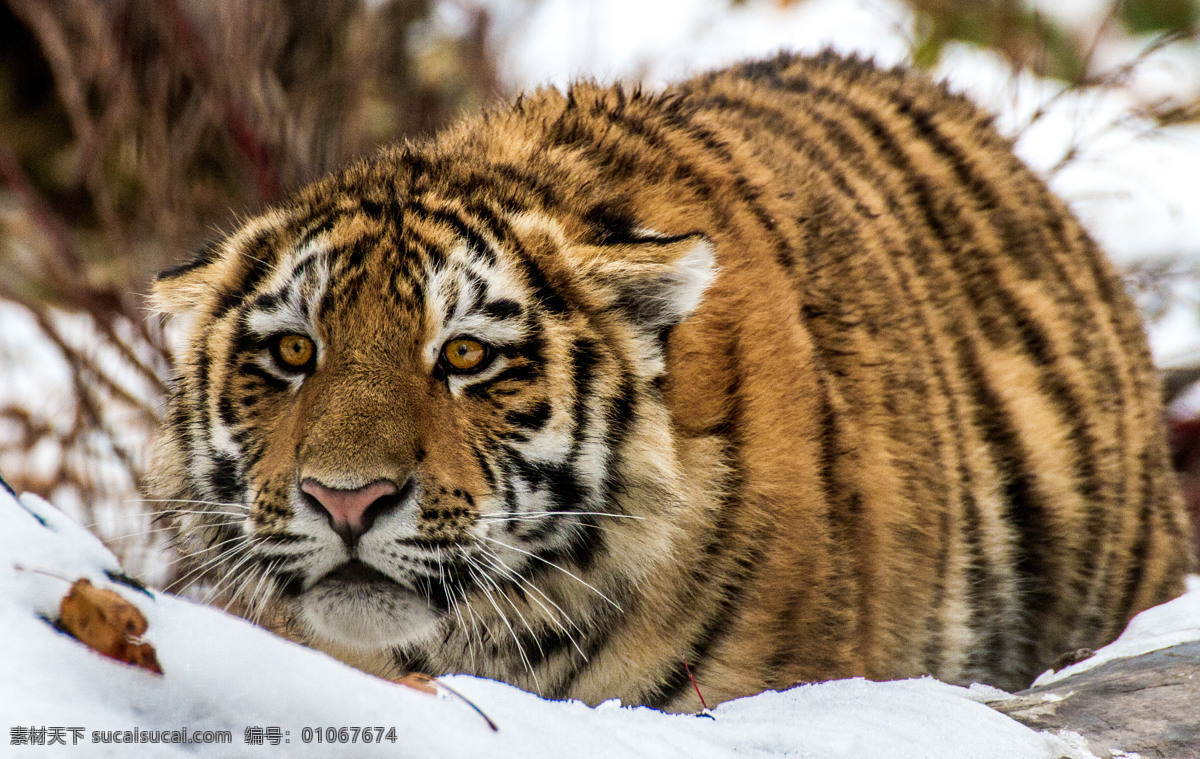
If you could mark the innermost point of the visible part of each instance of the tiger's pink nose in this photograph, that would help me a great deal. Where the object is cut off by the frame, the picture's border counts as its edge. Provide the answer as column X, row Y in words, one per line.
column 352, row 512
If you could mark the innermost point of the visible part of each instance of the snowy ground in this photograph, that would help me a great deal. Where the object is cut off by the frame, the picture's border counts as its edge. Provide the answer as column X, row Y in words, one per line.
column 222, row 674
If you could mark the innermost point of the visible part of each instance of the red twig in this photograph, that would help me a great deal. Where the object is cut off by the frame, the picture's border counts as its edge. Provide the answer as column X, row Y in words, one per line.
column 688, row 669
column 254, row 149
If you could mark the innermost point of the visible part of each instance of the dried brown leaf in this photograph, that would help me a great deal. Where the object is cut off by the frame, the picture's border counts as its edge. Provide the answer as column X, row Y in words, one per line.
column 106, row 622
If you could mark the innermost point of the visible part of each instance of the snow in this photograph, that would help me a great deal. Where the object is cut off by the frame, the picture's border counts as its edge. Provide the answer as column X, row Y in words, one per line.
column 44, row 393
column 661, row 42
column 222, row 673
column 1074, row 14
column 1175, row 336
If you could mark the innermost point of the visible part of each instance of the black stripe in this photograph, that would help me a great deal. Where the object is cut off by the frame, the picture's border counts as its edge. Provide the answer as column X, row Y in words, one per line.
column 1024, row 513
column 197, row 438
column 485, row 465
column 723, row 552
column 1023, row 510
column 224, row 480
column 1013, row 235
column 255, row 254
column 502, row 309
column 462, row 227
column 226, row 411
column 251, row 369
column 621, row 411
column 843, row 511
column 478, row 290
column 380, row 210
column 1032, row 337
column 558, row 480
column 267, row 301
column 319, row 226
column 748, row 563
column 532, row 419
column 208, row 253
column 611, row 153
column 984, row 594
column 612, row 221
column 585, row 356
column 749, row 196
column 519, row 373
column 481, row 211
column 502, row 179
column 1140, row 551
column 545, row 644
column 546, row 294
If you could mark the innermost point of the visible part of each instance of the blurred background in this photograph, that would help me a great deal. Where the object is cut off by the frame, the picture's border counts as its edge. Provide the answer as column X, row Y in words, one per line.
column 132, row 131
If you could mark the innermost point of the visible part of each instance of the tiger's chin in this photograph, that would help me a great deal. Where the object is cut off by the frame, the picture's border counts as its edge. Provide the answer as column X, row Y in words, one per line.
column 365, row 610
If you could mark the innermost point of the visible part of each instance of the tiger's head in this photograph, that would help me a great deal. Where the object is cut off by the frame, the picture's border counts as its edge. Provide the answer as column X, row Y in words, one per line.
column 393, row 409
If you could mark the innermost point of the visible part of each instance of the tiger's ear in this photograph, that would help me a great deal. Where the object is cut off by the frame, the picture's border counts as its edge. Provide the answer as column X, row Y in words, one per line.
column 656, row 282
column 217, row 267
column 187, row 286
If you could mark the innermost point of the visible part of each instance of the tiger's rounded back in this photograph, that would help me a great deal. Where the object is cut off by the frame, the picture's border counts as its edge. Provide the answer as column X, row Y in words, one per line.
column 791, row 372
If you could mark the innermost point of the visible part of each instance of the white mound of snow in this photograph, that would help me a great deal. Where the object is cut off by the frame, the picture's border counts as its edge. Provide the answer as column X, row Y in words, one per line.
column 223, row 674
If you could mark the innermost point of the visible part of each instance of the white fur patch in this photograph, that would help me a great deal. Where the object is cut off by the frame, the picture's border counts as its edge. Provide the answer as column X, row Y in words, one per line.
column 368, row 617
column 694, row 272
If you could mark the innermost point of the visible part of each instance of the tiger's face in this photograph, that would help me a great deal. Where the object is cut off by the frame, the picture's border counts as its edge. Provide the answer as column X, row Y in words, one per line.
column 389, row 420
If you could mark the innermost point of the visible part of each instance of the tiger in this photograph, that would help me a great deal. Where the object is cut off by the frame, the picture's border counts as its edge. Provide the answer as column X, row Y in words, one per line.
column 788, row 372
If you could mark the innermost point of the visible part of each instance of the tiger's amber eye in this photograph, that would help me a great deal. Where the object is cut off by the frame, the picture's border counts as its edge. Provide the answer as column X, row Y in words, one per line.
column 295, row 351
column 464, row 354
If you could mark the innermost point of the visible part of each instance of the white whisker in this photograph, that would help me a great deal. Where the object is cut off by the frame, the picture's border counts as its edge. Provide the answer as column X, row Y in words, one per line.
column 253, row 609
column 471, row 615
column 518, row 516
column 202, row 568
column 202, row 512
column 187, row 500
column 567, row 572
column 138, row 534
column 230, row 575
column 450, row 592
column 494, row 560
column 503, row 618
column 507, row 597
